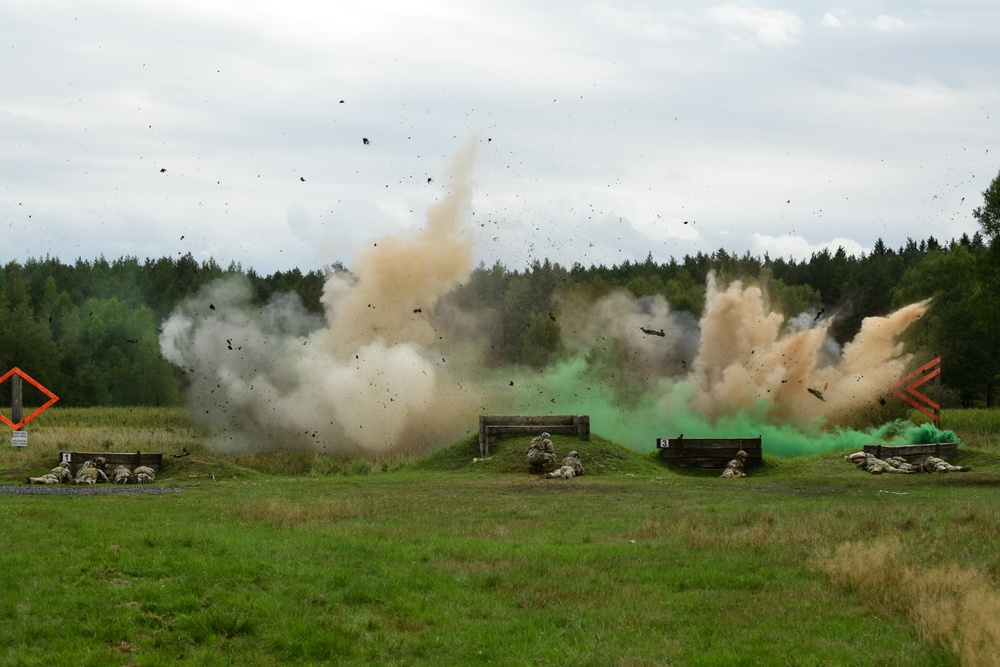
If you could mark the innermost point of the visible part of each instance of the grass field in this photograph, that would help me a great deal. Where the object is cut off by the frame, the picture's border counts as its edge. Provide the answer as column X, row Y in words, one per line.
column 300, row 559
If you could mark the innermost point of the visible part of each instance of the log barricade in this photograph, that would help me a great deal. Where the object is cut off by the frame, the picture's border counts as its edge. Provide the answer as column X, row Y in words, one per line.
column 709, row 452
column 112, row 460
column 492, row 427
column 912, row 453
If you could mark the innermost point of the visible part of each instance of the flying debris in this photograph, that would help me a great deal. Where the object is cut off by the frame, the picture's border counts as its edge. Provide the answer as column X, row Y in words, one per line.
column 302, row 178
column 364, row 140
column 418, row 310
column 163, row 170
column 819, row 314
column 817, row 393
column 653, row 332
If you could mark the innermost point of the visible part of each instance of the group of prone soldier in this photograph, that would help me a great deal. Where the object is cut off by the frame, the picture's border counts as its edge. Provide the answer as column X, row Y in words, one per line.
column 92, row 472
column 542, row 458
column 899, row 465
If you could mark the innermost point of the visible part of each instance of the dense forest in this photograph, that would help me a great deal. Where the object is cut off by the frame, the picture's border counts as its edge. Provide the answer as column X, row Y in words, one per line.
column 90, row 330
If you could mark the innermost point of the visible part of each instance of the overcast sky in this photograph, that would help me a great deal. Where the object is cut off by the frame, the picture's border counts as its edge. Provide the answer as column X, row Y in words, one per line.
column 606, row 130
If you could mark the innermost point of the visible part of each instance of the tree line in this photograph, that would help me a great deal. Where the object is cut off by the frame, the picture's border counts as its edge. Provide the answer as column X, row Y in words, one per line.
column 91, row 328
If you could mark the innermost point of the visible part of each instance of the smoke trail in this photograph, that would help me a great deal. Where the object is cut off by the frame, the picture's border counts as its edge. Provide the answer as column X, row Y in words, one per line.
column 393, row 366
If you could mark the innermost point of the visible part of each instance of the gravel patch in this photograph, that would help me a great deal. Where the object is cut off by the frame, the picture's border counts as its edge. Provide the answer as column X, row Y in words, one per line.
column 86, row 490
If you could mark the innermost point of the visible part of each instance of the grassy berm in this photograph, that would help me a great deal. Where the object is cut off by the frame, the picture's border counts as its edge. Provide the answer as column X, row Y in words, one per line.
column 445, row 560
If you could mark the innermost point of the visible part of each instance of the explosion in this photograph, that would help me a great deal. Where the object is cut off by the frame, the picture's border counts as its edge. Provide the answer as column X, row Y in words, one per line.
column 392, row 366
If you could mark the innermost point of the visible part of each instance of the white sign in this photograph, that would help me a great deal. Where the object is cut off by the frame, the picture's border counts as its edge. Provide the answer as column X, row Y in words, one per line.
column 19, row 439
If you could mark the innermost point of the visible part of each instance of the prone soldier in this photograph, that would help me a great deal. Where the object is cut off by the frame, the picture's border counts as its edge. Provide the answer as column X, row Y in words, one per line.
column 935, row 464
column 122, row 475
column 57, row 475
column 902, row 464
column 571, row 467
column 144, row 475
column 877, row 466
column 90, row 473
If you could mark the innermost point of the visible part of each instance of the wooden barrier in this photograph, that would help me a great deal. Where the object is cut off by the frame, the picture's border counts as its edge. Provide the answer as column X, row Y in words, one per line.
column 492, row 427
column 112, row 460
column 709, row 452
column 912, row 453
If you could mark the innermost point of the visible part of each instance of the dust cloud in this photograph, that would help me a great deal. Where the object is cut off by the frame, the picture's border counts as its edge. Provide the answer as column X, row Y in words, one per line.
column 393, row 366
column 370, row 377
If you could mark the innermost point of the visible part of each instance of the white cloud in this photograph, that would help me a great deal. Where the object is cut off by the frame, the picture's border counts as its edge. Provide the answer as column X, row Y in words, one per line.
column 884, row 23
column 643, row 23
column 789, row 246
column 831, row 21
column 839, row 18
column 772, row 27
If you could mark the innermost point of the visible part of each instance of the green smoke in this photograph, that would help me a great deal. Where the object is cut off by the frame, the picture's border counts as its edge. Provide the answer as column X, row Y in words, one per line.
column 636, row 416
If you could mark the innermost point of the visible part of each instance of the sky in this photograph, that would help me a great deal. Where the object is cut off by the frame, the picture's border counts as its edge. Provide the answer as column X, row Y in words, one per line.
column 293, row 134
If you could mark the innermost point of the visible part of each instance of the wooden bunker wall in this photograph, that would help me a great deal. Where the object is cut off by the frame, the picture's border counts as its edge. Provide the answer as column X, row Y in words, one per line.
column 492, row 427
column 709, row 452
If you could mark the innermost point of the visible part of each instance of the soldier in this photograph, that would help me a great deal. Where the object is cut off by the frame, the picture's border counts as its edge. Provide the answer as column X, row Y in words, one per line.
column 57, row 475
column 144, row 475
column 90, row 474
column 876, row 466
column 541, row 454
column 902, row 464
column 571, row 467
column 934, row 464
column 734, row 469
column 122, row 475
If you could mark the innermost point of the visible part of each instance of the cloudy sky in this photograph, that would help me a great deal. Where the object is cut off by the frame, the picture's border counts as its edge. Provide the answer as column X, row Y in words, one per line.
column 606, row 130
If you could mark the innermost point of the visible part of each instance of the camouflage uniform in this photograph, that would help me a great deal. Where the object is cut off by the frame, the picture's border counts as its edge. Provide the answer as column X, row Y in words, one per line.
column 934, row 464
column 734, row 469
column 122, row 475
column 90, row 474
column 144, row 475
column 63, row 472
column 902, row 464
column 877, row 466
column 57, row 475
column 541, row 454
column 571, row 467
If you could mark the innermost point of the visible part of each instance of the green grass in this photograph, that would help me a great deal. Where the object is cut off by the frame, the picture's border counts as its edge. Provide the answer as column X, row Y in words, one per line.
column 453, row 559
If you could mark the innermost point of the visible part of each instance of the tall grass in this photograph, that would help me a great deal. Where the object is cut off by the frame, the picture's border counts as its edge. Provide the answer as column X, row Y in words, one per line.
column 953, row 605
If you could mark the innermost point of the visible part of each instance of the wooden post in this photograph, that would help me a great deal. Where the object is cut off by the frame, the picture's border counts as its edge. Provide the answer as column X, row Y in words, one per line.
column 16, row 398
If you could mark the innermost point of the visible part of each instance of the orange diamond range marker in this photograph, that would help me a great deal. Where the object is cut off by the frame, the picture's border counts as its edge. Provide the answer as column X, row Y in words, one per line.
column 52, row 398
